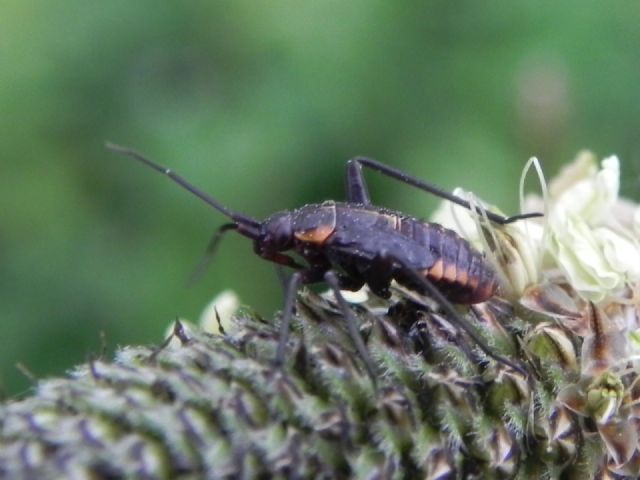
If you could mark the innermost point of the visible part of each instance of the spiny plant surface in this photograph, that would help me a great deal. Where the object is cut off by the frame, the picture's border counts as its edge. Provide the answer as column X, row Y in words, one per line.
column 215, row 406
column 211, row 403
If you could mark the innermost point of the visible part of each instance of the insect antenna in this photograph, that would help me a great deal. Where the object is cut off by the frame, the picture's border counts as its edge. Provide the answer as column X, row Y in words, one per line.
column 210, row 251
column 247, row 225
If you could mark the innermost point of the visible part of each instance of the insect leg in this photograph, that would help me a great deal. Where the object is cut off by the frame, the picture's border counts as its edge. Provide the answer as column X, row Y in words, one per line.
column 283, row 277
column 452, row 315
column 430, row 188
column 357, row 191
column 287, row 312
column 352, row 325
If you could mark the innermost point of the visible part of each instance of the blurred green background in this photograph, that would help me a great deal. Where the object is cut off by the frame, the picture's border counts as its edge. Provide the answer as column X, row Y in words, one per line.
column 260, row 103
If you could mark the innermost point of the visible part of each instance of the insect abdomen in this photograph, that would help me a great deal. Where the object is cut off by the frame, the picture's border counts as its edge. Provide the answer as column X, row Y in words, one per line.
column 460, row 271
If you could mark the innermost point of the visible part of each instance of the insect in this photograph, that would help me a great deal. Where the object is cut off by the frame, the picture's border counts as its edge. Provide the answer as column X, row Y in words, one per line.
column 353, row 243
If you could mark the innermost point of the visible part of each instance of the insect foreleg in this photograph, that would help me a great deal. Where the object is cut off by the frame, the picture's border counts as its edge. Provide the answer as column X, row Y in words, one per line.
column 287, row 312
column 309, row 276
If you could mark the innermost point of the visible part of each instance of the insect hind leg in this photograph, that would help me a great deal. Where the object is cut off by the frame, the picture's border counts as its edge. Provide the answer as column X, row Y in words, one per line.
column 452, row 315
column 430, row 188
column 357, row 191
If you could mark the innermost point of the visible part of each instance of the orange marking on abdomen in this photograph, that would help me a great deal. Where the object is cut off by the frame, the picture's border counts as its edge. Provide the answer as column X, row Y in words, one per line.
column 436, row 270
column 462, row 277
column 450, row 273
column 472, row 283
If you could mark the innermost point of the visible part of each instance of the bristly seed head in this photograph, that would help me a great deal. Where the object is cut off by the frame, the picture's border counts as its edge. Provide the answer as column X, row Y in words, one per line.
column 577, row 273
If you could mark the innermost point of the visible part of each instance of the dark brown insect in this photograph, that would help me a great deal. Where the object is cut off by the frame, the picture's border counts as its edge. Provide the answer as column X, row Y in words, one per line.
column 355, row 237
column 350, row 244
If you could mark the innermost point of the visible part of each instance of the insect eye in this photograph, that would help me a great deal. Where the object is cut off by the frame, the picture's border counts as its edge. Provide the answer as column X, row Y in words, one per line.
column 280, row 233
column 283, row 236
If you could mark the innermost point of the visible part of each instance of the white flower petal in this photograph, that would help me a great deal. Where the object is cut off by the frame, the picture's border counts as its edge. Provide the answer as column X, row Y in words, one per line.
column 622, row 254
column 578, row 254
column 590, row 198
column 636, row 222
column 584, row 166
